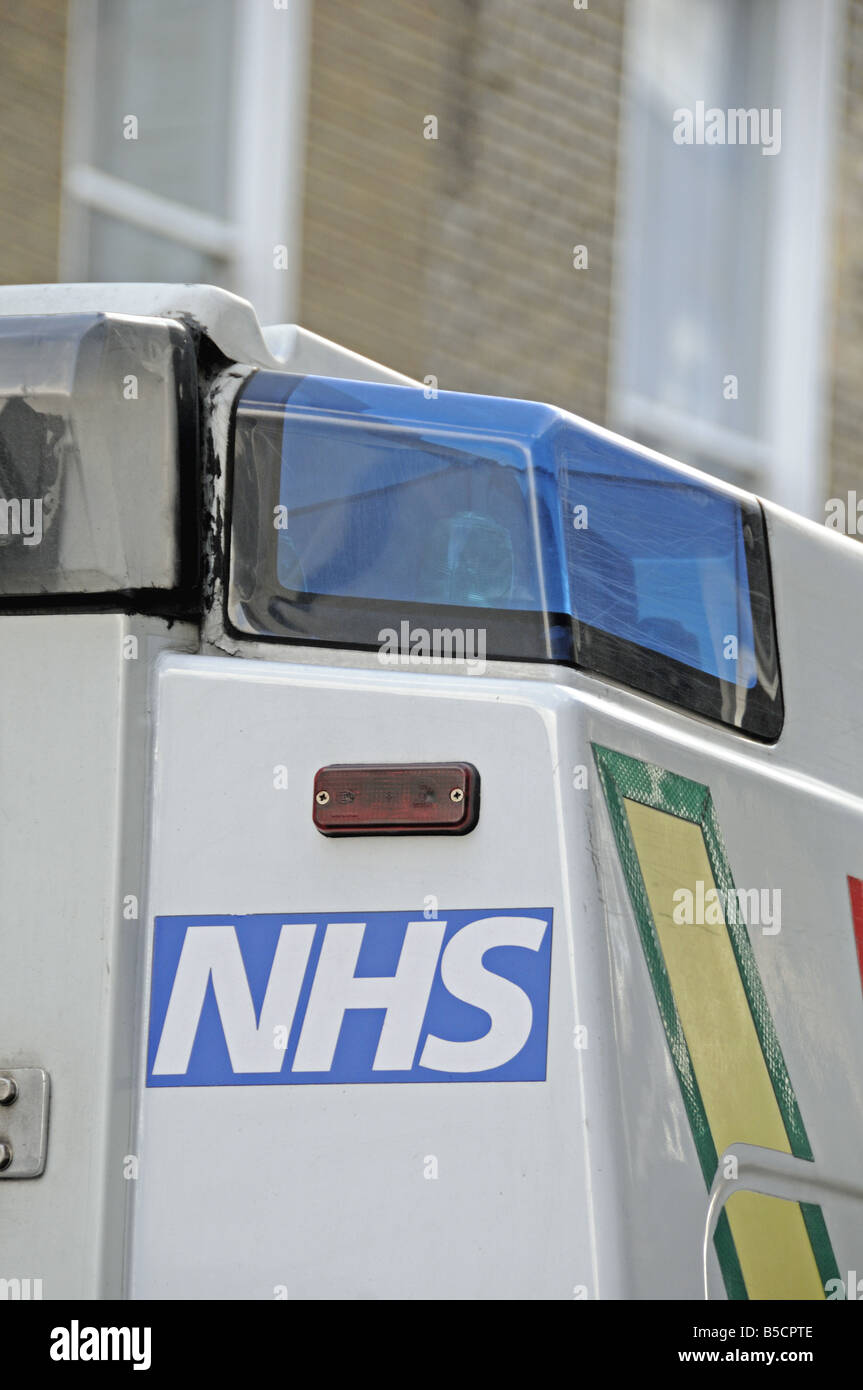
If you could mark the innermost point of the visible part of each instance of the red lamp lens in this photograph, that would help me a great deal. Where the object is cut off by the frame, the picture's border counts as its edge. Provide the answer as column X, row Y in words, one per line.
column 405, row 799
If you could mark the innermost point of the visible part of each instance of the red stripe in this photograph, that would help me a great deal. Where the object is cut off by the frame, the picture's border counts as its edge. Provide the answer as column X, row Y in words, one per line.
column 855, row 890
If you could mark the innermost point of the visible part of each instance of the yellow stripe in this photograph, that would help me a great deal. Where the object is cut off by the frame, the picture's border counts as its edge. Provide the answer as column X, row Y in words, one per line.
column 772, row 1243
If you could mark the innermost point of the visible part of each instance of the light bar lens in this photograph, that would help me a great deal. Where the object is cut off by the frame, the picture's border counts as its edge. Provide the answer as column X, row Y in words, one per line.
column 557, row 540
column 98, row 456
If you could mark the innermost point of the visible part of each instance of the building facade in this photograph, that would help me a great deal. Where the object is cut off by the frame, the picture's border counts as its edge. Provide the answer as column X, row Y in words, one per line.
column 648, row 213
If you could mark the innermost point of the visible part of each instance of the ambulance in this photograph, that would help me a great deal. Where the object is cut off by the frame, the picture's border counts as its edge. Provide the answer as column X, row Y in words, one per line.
column 431, row 837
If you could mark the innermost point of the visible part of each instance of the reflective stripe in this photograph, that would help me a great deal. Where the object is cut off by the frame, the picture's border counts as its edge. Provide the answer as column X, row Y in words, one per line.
column 717, row 1020
column 772, row 1244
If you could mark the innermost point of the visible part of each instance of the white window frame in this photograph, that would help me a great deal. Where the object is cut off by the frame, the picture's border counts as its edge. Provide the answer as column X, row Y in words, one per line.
column 264, row 166
column 789, row 465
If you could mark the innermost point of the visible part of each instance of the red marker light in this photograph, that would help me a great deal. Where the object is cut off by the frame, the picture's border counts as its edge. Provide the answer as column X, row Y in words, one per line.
column 396, row 799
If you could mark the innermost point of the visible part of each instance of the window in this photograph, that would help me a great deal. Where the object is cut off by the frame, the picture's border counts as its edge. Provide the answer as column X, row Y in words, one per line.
column 184, row 145
column 720, row 298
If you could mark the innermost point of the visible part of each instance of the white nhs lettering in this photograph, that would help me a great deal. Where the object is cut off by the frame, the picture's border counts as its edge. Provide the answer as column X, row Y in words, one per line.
column 216, row 951
column 213, row 953
column 404, row 996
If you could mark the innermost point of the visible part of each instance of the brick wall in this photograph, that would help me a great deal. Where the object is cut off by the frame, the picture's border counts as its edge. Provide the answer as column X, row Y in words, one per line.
column 846, row 417
column 453, row 257
column 32, row 58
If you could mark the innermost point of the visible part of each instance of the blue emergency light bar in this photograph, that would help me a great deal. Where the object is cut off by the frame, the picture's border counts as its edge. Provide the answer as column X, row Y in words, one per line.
column 361, row 508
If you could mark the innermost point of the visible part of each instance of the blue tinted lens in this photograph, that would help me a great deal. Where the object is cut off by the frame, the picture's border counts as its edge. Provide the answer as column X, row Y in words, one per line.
column 660, row 562
column 507, row 506
column 375, row 514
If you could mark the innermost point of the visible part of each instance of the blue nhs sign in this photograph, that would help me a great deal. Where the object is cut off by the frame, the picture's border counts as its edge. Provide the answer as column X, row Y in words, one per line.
column 346, row 998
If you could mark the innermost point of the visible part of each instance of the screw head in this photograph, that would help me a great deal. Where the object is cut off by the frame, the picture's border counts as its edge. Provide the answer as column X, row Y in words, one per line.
column 322, row 798
column 456, row 794
column 5, row 1154
column 8, row 1090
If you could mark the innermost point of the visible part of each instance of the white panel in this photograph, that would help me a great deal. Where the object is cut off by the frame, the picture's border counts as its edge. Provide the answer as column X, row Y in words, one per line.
column 321, row 1188
column 73, row 753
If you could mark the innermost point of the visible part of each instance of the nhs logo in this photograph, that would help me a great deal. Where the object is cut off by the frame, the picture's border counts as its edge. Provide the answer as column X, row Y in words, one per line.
column 349, row 997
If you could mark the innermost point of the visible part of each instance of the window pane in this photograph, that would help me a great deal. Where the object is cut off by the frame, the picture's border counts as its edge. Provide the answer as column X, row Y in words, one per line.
column 699, row 213
column 119, row 251
column 168, row 63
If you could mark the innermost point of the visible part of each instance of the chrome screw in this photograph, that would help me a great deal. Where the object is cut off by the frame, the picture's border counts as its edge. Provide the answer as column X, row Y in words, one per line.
column 456, row 794
column 5, row 1154
column 322, row 798
column 8, row 1090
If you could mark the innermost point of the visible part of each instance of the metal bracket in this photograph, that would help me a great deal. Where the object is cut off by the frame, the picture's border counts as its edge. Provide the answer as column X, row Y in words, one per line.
column 24, row 1095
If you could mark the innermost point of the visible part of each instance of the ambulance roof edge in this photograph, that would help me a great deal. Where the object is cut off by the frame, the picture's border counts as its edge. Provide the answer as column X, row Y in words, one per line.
column 229, row 321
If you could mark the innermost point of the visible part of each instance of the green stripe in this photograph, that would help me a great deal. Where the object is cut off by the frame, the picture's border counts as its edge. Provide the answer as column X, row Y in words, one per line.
column 628, row 778
column 813, row 1220
column 608, row 764
column 729, row 1265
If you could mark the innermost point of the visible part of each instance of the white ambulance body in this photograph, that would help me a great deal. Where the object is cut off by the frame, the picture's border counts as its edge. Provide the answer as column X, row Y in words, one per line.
column 426, row 837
